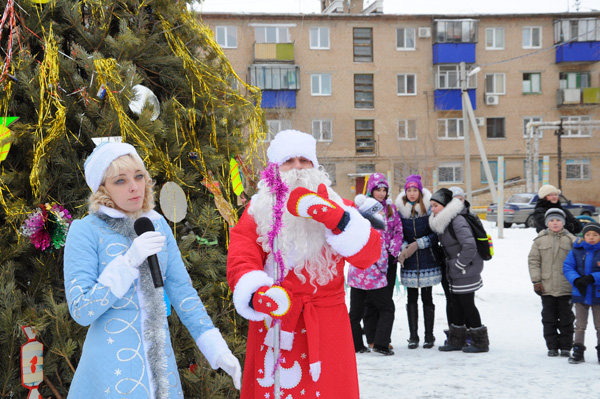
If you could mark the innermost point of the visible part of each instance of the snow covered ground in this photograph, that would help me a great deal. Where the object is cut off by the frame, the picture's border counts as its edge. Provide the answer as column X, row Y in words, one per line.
column 516, row 365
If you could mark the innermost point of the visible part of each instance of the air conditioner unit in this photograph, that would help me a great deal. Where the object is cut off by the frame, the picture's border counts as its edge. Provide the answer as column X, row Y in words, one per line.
column 424, row 32
column 480, row 121
column 492, row 100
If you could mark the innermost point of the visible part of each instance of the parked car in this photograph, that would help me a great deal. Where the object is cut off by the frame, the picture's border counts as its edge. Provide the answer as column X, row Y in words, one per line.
column 519, row 209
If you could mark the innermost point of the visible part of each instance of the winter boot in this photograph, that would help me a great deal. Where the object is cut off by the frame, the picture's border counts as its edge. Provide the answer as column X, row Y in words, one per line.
column 412, row 310
column 456, row 339
column 429, row 316
column 479, row 340
column 577, row 356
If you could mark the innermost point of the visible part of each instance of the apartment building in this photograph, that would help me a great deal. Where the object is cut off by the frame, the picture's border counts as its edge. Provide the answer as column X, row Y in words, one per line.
column 382, row 92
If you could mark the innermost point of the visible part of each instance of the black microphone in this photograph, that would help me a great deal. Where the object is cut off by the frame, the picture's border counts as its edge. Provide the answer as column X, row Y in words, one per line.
column 141, row 226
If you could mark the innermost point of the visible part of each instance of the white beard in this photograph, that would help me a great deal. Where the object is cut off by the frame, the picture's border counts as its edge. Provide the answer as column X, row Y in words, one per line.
column 302, row 242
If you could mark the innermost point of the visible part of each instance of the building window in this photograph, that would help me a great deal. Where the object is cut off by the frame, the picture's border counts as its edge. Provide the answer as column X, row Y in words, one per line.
column 407, row 129
column 528, row 119
column 448, row 77
column 321, row 130
column 407, row 84
column 451, row 172
column 404, row 169
column 532, row 83
column 275, row 77
column 451, row 129
column 455, row 31
column 226, row 36
column 493, row 169
column 494, row 38
column 365, row 136
column 494, row 83
column 319, row 38
column 574, row 80
column 495, row 128
column 579, row 30
column 405, row 39
column 578, row 169
column 320, row 84
column 365, row 168
column 275, row 126
column 271, row 34
column 363, row 44
column 532, row 37
column 330, row 169
column 363, row 91
column 576, row 132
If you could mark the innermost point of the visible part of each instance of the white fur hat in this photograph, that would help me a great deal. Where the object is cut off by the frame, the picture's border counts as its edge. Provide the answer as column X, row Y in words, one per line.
column 101, row 158
column 547, row 189
column 290, row 144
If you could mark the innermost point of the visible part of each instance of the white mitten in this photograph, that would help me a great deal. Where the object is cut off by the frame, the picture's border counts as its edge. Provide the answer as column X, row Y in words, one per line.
column 118, row 276
column 149, row 243
column 231, row 365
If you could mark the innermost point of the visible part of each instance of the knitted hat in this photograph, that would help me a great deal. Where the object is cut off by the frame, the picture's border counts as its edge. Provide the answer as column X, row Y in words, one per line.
column 442, row 196
column 593, row 226
column 457, row 192
column 413, row 181
column 555, row 213
column 369, row 208
column 376, row 180
column 100, row 159
column 547, row 189
column 291, row 144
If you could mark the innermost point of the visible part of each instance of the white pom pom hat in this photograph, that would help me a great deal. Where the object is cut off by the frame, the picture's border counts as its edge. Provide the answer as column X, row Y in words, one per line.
column 291, row 144
column 101, row 158
column 547, row 189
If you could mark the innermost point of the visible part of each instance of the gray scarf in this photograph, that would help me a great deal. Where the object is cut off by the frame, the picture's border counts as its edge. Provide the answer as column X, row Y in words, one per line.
column 156, row 311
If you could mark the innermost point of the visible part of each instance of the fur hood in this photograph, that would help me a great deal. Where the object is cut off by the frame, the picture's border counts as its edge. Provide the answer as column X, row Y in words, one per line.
column 405, row 210
column 439, row 222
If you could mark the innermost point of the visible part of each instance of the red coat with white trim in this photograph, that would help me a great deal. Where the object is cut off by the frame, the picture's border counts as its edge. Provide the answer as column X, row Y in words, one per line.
column 317, row 357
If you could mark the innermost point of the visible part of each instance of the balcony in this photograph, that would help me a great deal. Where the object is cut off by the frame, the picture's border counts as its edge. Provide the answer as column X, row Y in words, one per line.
column 585, row 96
column 454, row 53
column 577, row 40
column 578, row 52
column 279, row 52
column 451, row 99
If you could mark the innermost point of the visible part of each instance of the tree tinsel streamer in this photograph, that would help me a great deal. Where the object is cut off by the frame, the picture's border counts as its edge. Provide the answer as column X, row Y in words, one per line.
column 47, row 227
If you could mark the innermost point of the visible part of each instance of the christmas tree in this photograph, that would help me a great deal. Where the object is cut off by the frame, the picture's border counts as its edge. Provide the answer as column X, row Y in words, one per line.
column 144, row 72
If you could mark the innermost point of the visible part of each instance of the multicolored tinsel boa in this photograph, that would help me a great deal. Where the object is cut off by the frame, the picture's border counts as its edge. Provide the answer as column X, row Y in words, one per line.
column 47, row 227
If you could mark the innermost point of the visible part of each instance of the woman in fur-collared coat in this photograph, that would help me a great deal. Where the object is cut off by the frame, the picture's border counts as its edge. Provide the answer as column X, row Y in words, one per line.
column 464, row 267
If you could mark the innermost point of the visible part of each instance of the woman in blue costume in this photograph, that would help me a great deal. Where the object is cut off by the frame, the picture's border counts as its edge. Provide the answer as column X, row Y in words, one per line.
column 127, row 350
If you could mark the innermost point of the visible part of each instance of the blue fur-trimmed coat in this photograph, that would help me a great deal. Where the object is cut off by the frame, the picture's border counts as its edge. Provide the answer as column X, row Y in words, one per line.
column 584, row 259
column 422, row 269
column 463, row 263
column 114, row 362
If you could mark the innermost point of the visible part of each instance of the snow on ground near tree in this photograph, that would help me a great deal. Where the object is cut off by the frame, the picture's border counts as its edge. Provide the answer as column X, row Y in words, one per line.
column 516, row 365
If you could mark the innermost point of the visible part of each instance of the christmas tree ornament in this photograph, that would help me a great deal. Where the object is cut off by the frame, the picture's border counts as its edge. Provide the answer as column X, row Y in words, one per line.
column 8, row 18
column 32, row 363
column 47, row 227
column 193, row 155
column 247, row 173
column 142, row 95
column 5, row 122
column 173, row 202
column 223, row 206
column 236, row 177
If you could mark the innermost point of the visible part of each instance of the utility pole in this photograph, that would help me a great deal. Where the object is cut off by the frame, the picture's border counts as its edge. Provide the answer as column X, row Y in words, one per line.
column 463, row 88
column 559, row 134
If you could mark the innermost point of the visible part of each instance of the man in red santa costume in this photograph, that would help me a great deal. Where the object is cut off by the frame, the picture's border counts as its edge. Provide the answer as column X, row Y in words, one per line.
column 319, row 234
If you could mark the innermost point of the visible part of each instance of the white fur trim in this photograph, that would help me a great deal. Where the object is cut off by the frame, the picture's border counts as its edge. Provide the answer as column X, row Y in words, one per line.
column 212, row 345
column 118, row 276
column 406, row 209
column 116, row 214
column 354, row 237
column 291, row 144
column 439, row 222
column 315, row 370
column 245, row 287
column 286, row 339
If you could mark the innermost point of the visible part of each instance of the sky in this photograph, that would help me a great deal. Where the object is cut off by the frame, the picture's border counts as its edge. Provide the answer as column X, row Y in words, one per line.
column 408, row 7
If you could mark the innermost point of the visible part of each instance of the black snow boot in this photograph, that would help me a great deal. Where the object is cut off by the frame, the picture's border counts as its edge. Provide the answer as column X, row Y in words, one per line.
column 479, row 340
column 412, row 311
column 457, row 338
column 577, row 356
column 429, row 316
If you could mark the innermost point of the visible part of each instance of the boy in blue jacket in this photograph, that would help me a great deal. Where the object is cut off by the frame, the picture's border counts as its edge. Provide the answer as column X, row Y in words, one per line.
column 582, row 270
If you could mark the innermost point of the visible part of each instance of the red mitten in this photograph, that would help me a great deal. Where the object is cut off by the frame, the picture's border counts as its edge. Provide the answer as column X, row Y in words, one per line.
column 308, row 204
column 274, row 301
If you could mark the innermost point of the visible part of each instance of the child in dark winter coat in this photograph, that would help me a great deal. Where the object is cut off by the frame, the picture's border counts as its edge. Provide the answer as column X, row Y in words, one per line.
column 548, row 252
column 582, row 269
